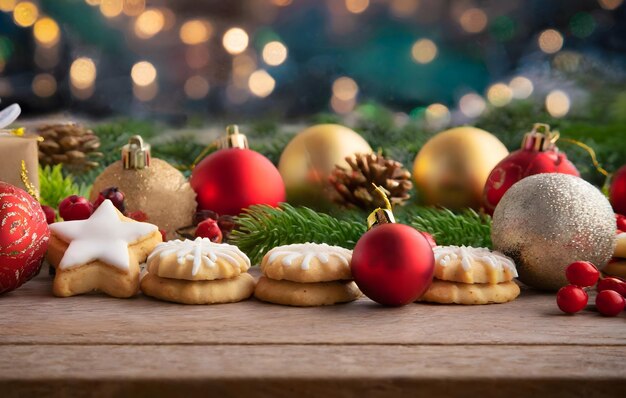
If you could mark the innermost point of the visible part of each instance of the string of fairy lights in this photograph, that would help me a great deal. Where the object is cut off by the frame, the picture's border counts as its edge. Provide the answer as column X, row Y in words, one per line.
column 251, row 72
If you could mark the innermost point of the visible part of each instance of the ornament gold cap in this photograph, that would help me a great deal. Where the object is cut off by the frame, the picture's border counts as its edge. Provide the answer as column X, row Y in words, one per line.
column 136, row 154
column 380, row 215
column 540, row 138
column 233, row 138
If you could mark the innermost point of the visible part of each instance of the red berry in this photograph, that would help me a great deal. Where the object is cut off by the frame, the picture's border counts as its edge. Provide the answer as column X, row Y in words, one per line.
column 582, row 273
column 429, row 238
column 202, row 215
column 163, row 235
column 571, row 299
column 75, row 208
column 612, row 283
column 137, row 215
column 209, row 229
column 620, row 220
column 610, row 303
column 50, row 214
column 114, row 195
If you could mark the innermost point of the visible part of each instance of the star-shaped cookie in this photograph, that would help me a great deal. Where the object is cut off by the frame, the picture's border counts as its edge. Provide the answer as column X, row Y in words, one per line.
column 101, row 253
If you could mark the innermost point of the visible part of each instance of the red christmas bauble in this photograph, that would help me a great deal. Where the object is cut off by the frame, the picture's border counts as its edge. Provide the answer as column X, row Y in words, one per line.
column 393, row 264
column 24, row 236
column 617, row 191
column 230, row 180
column 538, row 155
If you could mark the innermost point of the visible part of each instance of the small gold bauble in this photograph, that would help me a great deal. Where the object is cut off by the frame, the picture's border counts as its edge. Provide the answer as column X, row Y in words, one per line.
column 452, row 167
column 311, row 156
column 160, row 191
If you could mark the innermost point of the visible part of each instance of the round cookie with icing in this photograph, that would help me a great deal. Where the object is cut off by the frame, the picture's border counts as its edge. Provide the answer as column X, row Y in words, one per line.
column 307, row 262
column 472, row 265
column 197, row 260
column 620, row 245
column 444, row 292
column 306, row 294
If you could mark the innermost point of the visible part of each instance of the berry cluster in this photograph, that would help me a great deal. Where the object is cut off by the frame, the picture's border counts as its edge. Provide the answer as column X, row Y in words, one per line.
column 583, row 274
column 213, row 226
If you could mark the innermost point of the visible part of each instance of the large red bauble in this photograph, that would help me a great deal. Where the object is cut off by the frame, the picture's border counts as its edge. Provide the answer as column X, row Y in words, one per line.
column 24, row 236
column 393, row 264
column 521, row 164
column 617, row 191
column 230, row 180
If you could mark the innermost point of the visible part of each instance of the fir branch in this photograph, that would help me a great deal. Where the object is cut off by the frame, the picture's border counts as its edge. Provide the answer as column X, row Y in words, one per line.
column 54, row 186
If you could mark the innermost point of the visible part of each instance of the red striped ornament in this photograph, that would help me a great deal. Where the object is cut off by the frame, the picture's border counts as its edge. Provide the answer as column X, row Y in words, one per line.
column 24, row 237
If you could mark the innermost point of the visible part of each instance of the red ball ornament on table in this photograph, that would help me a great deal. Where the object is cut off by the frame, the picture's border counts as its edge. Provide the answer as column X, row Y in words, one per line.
column 617, row 191
column 538, row 154
column 393, row 264
column 24, row 236
column 234, row 178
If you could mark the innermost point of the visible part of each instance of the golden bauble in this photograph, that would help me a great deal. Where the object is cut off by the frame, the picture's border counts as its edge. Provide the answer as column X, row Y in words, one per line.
column 310, row 157
column 160, row 191
column 452, row 167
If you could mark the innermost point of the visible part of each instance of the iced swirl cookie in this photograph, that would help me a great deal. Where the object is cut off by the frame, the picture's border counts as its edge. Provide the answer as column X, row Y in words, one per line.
column 101, row 253
column 197, row 272
column 470, row 275
column 617, row 265
column 308, row 274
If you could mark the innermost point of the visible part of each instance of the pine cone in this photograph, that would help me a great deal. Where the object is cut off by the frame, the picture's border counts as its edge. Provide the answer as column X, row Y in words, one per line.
column 73, row 145
column 353, row 187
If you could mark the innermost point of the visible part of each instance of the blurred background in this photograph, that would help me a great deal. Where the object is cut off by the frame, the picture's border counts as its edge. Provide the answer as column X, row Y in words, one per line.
column 444, row 61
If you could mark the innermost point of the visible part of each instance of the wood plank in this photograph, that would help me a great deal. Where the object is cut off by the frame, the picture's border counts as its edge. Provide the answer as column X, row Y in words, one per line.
column 285, row 370
column 32, row 315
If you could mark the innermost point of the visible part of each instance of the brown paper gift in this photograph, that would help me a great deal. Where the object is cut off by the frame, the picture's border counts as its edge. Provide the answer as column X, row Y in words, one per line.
column 13, row 150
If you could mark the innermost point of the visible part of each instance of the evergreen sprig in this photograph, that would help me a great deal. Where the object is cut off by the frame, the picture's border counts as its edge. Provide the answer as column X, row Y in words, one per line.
column 54, row 186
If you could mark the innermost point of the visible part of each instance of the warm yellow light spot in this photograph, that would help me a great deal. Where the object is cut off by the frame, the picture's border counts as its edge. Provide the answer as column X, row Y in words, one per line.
column 610, row 4
column 274, row 53
column 235, row 40
column 499, row 94
column 424, row 51
column 472, row 105
column 25, row 13
column 342, row 107
column 357, row 6
column 143, row 73
column 83, row 73
column 93, row 2
column 149, row 23
column 473, row 20
column 170, row 18
column 550, row 41
column 134, row 7
column 196, row 87
column 261, row 83
column 46, row 32
column 437, row 115
column 111, row 8
column 147, row 92
column 7, row 5
column 44, row 85
column 197, row 56
column 243, row 66
column 282, row 3
column 521, row 87
column 345, row 88
column 195, row 31
column 557, row 103
column 404, row 8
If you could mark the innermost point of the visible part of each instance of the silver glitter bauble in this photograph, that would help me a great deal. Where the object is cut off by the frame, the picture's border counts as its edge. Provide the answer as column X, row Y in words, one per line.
column 547, row 221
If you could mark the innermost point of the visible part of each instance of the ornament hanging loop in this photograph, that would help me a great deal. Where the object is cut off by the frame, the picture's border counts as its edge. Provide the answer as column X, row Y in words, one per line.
column 136, row 154
column 540, row 138
column 380, row 215
column 233, row 138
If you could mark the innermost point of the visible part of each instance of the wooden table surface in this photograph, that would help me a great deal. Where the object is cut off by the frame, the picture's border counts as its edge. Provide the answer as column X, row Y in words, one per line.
column 95, row 345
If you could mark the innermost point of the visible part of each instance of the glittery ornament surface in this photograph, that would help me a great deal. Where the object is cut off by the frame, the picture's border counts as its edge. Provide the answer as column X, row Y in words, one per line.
column 547, row 221
column 160, row 191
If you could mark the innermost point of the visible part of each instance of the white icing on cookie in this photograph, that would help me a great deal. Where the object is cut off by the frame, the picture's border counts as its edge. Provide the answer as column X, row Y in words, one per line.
column 202, row 252
column 103, row 237
column 308, row 251
column 444, row 255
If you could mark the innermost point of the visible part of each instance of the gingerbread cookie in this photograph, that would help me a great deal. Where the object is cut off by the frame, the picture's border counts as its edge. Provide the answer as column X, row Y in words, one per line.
column 197, row 272
column 307, row 274
column 101, row 253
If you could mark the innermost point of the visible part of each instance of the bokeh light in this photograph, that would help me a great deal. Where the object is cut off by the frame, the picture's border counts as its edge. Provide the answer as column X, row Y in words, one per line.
column 557, row 103
column 342, row 106
column 345, row 88
column 499, row 94
column 44, row 85
column 46, row 32
column 472, row 105
column 274, row 53
column 143, row 73
column 7, row 5
column 149, row 23
column 473, row 20
column 521, row 87
column 111, row 8
column 197, row 56
column 550, row 41
column 582, row 25
column 25, row 13
column 195, row 31
column 196, row 87
column 357, row 6
column 93, row 2
column 282, row 3
column 424, row 51
column 610, row 4
column 261, row 83
column 235, row 40
column 437, row 115
column 83, row 73
column 147, row 92
column 133, row 8
column 403, row 8
column 243, row 66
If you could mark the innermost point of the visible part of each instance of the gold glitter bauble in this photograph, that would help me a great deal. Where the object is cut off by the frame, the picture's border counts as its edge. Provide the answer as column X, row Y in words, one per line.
column 311, row 156
column 160, row 191
column 547, row 221
column 452, row 167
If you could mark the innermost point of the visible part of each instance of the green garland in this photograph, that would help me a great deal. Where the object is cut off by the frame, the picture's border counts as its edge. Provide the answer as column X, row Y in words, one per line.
column 261, row 228
column 54, row 186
